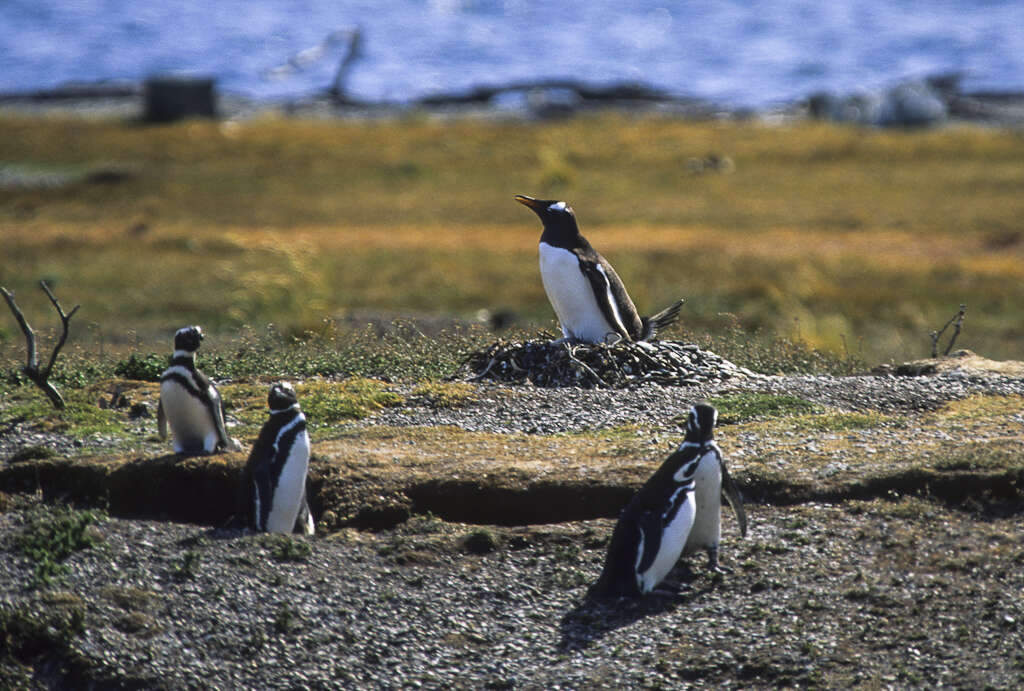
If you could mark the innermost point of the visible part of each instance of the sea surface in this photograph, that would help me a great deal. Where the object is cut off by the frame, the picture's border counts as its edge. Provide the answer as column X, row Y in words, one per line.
column 749, row 53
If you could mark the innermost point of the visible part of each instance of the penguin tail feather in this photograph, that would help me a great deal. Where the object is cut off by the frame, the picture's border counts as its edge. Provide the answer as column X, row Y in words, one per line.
column 662, row 319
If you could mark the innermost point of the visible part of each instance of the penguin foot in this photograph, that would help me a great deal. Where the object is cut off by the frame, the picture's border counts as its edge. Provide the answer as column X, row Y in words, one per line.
column 713, row 564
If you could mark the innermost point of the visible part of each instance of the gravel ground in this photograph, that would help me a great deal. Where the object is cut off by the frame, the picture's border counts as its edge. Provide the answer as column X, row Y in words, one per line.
column 536, row 410
column 877, row 594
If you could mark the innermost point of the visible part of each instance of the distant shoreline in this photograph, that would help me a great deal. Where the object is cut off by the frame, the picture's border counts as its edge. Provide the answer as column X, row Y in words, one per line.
column 933, row 101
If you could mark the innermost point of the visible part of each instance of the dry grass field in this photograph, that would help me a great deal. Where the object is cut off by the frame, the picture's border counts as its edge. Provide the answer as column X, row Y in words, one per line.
column 849, row 240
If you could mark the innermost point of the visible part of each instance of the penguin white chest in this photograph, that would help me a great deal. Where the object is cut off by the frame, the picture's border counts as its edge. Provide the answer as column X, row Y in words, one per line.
column 190, row 419
column 291, row 484
column 572, row 296
column 707, row 494
column 673, row 538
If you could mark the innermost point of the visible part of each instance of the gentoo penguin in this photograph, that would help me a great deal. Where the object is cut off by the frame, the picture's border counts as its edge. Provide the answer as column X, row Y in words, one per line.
column 189, row 401
column 658, row 522
column 587, row 295
column 274, row 479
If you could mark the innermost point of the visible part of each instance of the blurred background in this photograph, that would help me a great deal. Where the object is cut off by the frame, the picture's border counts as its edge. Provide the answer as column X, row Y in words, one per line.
column 739, row 54
column 839, row 175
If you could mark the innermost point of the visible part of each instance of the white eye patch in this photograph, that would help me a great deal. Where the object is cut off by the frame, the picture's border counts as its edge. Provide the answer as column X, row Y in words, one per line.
column 557, row 206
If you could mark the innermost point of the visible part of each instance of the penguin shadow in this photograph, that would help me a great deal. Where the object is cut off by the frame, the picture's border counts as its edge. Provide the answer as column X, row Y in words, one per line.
column 595, row 616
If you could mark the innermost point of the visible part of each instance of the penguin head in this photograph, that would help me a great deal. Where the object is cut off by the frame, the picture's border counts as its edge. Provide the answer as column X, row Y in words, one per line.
column 281, row 397
column 700, row 423
column 558, row 217
column 188, row 338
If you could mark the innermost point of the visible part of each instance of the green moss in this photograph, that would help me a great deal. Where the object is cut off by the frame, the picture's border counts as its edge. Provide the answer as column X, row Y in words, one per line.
column 449, row 394
column 327, row 402
column 749, row 406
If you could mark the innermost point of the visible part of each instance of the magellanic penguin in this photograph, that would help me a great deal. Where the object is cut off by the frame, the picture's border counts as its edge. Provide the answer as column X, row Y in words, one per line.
column 587, row 295
column 274, row 479
column 711, row 483
column 657, row 524
column 190, row 402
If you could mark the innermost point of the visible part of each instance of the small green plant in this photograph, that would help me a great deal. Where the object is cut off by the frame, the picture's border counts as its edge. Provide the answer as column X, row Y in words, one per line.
column 283, row 548
column 50, row 536
column 480, row 541
column 146, row 367
column 286, row 619
column 188, row 568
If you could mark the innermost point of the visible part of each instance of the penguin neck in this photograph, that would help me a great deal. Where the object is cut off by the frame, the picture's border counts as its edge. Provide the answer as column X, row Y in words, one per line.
column 294, row 407
column 563, row 238
column 184, row 357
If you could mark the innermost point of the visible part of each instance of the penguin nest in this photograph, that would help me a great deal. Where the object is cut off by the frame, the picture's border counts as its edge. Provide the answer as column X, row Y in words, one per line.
column 599, row 365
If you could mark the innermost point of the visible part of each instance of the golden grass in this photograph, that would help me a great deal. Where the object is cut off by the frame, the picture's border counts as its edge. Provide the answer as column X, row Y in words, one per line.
column 845, row 238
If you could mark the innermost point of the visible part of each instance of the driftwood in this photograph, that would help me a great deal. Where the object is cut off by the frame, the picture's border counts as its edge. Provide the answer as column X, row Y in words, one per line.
column 40, row 377
column 957, row 320
column 352, row 53
column 585, row 92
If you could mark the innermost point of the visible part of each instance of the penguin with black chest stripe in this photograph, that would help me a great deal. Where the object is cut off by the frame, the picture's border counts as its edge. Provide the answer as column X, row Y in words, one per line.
column 712, row 483
column 588, row 297
column 274, row 479
column 190, row 402
column 657, row 524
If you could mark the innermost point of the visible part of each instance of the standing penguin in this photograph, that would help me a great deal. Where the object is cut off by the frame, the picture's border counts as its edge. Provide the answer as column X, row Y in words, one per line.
column 587, row 295
column 274, row 479
column 190, row 402
column 659, row 521
column 712, row 483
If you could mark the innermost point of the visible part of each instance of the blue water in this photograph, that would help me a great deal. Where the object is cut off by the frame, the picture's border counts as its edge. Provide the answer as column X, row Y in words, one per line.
column 740, row 53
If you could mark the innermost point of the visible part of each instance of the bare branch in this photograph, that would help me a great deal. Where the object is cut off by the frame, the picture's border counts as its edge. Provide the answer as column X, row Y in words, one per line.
column 31, row 368
column 30, row 337
column 958, row 318
column 956, row 328
column 65, row 319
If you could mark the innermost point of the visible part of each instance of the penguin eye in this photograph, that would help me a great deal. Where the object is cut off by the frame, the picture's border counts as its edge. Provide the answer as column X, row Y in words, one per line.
column 558, row 206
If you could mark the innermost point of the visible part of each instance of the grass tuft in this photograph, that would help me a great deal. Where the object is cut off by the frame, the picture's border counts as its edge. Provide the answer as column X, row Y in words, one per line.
column 751, row 406
column 327, row 402
column 50, row 535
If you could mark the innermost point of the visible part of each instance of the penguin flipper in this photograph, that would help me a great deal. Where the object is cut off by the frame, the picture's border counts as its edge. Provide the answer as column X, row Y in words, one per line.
column 650, row 526
column 161, row 420
column 602, row 287
column 732, row 495
column 664, row 318
column 304, row 521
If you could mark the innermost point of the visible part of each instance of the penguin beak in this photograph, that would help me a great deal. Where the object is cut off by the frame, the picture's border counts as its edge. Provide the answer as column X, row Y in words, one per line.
column 536, row 204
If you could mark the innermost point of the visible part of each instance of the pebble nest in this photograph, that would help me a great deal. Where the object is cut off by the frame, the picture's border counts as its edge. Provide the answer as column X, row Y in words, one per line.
column 624, row 364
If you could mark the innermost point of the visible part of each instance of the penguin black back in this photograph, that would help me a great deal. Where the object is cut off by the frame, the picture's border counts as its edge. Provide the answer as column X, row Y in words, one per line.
column 652, row 531
column 282, row 442
column 609, row 310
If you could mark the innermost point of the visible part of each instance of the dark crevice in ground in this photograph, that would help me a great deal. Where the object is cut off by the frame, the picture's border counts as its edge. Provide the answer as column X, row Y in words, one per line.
column 205, row 492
